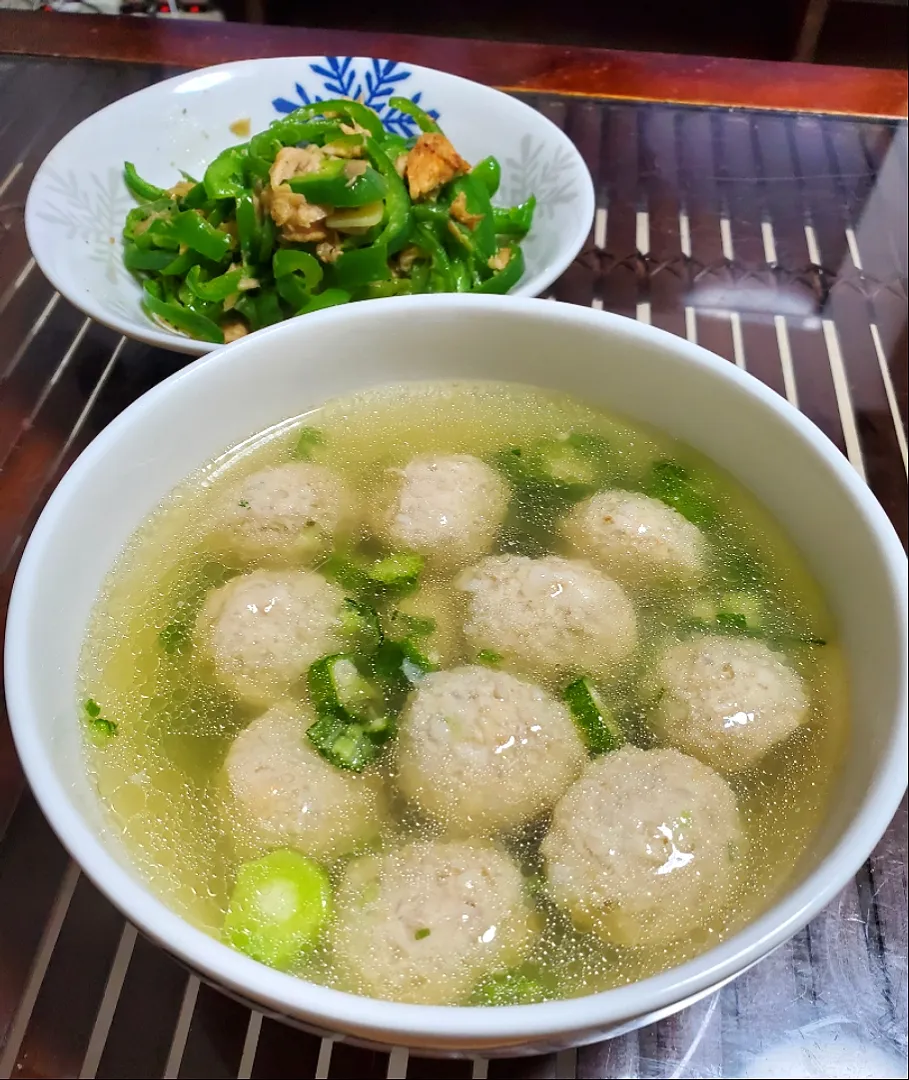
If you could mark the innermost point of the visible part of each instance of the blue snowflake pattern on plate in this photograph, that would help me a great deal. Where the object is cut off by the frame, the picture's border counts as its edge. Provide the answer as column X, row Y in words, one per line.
column 380, row 81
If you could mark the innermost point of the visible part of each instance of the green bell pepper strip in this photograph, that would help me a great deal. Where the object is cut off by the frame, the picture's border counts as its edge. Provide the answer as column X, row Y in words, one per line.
column 195, row 198
column 160, row 234
column 331, row 185
column 393, row 145
column 515, row 220
column 288, row 261
column 217, row 288
column 410, row 108
column 178, row 266
column 189, row 322
column 267, row 236
column 324, row 299
column 358, row 267
column 224, row 178
column 141, row 189
column 257, row 168
column 352, row 110
column 248, row 228
column 342, row 142
column 489, row 173
column 482, row 234
column 431, row 213
column 192, row 229
column 373, row 290
column 135, row 258
column 293, row 291
column 460, row 276
column 291, row 131
column 503, row 280
column 440, row 275
column 397, row 200
column 211, row 309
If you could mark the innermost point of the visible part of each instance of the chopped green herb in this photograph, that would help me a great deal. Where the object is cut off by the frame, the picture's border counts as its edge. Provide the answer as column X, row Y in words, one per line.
column 244, row 504
column 175, row 637
column 422, row 933
column 397, row 569
column 509, row 988
column 596, row 722
column 100, row 729
column 489, row 658
column 360, row 625
column 682, row 489
column 413, row 625
column 308, row 440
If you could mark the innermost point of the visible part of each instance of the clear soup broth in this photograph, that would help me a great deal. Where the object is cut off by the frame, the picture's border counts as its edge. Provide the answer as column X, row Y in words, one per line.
column 463, row 693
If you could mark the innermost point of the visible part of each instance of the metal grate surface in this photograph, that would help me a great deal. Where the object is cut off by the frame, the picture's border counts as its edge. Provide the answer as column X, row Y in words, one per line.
column 776, row 240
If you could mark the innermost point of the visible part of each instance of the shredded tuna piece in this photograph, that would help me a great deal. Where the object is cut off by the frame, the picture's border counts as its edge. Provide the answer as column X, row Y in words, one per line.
column 294, row 161
column 401, row 163
column 432, row 163
column 460, row 212
column 182, row 187
column 298, row 219
column 353, row 128
column 500, row 260
column 234, row 329
column 328, row 252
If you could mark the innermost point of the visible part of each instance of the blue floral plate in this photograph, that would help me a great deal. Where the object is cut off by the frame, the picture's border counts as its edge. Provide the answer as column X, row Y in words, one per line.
column 78, row 200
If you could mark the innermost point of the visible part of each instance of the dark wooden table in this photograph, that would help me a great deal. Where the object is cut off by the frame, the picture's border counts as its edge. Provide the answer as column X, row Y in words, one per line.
column 759, row 209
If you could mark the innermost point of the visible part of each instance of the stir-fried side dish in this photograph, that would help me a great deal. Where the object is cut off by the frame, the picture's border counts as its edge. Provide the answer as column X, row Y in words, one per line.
column 463, row 694
column 323, row 207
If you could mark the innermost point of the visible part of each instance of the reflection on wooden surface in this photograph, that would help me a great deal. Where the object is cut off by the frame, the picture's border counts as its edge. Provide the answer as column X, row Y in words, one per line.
column 778, row 241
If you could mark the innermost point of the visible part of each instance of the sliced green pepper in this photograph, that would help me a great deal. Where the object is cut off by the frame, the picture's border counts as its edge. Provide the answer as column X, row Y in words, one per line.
column 515, row 220
column 503, row 280
column 482, row 233
column 195, row 198
column 224, row 178
column 289, row 261
column 424, row 121
column 189, row 322
column 361, row 266
column 351, row 110
column 324, row 299
column 489, row 173
column 293, row 291
column 192, row 229
column 178, row 266
column 397, row 199
column 440, row 275
column 332, row 185
column 460, row 275
column 248, row 227
column 135, row 258
column 141, row 189
column 374, row 290
column 215, row 289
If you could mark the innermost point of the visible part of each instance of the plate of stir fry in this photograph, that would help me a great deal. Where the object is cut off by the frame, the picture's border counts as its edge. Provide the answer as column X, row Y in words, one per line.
column 373, row 180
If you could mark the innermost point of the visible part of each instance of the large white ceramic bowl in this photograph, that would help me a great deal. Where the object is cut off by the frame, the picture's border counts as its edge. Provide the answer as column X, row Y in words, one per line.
column 609, row 361
column 78, row 200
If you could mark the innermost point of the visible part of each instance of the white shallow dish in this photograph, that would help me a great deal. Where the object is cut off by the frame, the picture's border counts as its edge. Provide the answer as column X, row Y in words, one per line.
column 625, row 366
column 78, row 200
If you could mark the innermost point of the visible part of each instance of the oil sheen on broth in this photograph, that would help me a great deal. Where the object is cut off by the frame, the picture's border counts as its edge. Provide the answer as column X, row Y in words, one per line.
column 583, row 736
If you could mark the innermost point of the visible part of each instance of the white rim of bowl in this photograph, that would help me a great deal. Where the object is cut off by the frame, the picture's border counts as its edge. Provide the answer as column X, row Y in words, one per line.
column 167, row 339
column 467, row 1025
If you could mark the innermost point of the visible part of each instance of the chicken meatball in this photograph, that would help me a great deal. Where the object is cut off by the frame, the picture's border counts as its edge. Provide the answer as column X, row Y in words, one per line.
column 639, row 540
column 286, row 795
column 446, row 506
column 262, row 630
column 424, row 923
column 481, row 750
column 727, row 700
column 548, row 615
column 643, row 846
column 287, row 513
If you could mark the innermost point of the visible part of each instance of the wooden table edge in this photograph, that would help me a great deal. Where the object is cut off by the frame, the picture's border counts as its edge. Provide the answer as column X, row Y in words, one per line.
column 515, row 66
